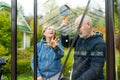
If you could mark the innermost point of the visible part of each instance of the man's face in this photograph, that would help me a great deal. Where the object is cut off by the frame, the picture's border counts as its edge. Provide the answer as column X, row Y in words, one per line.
column 84, row 30
column 49, row 32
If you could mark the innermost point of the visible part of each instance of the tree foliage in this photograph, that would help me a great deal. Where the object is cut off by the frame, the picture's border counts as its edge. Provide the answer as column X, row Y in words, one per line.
column 5, row 29
column 117, row 16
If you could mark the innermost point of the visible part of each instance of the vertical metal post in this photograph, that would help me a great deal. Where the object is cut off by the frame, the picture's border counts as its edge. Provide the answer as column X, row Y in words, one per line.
column 35, row 39
column 14, row 38
column 110, row 41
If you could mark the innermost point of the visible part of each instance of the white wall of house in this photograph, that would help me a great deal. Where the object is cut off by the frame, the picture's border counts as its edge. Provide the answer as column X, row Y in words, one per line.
column 26, row 40
column 25, row 43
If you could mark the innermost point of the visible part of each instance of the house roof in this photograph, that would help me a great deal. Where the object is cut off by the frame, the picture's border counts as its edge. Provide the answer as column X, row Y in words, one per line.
column 21, row 22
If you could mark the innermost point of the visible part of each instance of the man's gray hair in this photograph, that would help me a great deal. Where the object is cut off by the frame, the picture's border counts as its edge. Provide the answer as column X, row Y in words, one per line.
column 86, row 19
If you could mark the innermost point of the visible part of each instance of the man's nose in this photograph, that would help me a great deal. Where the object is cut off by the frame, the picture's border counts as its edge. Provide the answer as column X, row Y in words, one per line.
column 52, row 30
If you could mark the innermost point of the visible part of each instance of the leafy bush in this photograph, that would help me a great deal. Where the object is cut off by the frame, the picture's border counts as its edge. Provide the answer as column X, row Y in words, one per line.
column 24, row 54
column 3, row 51
column 23, row 60
column 67, row 69
column 5, row 30
column 118, row 71
column 7, row 67
column 23, row 66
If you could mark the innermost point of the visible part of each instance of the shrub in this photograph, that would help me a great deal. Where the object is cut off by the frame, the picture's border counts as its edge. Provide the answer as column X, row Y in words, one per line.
column 24, row 54
column 23, row 66
column 3, row 51
column 7, row 67
column 67, row 69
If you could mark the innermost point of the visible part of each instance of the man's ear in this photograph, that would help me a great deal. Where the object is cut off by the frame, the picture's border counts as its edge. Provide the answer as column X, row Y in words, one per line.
column 89, row 24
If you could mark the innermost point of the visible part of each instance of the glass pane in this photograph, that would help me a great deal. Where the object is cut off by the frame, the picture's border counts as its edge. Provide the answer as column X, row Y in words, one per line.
column 24, row 39
column 51, row 14
column 117, row 37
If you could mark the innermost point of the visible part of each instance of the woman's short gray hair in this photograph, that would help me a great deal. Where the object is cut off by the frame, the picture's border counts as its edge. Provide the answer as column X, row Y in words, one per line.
column 45, row 27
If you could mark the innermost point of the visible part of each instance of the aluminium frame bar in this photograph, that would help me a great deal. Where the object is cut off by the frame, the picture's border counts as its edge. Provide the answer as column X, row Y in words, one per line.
column 35, row 39
column 14, row 39
column 110, row 57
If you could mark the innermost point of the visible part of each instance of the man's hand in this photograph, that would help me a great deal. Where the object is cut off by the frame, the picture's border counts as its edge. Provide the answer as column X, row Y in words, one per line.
column 64, row 23
column 53, row 43
column 40, row 78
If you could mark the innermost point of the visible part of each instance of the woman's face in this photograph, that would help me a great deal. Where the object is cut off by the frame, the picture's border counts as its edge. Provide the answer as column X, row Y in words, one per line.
column 49, row 32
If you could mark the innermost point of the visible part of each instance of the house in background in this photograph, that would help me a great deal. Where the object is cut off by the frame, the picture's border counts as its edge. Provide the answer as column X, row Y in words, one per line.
column 22, row 26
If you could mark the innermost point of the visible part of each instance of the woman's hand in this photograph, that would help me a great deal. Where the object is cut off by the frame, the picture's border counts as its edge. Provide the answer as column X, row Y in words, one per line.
column 53, row 43
column 39, row 78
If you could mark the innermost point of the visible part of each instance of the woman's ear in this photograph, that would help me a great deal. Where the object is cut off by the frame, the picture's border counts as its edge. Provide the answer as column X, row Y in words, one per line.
column 44, row 33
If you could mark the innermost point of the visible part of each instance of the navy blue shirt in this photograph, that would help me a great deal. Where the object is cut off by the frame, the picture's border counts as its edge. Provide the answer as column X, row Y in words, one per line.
column 89, row 57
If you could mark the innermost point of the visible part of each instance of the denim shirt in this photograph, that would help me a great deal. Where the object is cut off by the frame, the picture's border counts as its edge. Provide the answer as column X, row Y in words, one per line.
column 49, row 62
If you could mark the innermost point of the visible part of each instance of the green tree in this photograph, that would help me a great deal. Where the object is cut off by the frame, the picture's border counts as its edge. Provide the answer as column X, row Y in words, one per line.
column 5, row 30
column 117, row 16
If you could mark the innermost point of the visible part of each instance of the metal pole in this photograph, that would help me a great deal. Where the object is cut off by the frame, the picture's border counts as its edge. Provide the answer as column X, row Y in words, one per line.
column 35, row 39
column 110, row 65
column 14, row 39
